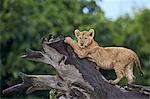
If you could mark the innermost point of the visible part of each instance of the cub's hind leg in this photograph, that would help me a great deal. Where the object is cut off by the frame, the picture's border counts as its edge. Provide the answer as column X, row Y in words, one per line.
column 129, row 73
column 119, row 70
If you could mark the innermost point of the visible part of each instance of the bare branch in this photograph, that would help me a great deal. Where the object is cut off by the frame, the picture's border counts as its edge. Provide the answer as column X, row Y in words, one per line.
column 37, row 56
column 33, row 83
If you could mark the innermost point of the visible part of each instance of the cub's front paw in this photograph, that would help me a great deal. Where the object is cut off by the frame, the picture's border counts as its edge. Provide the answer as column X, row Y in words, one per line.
column 68, row 40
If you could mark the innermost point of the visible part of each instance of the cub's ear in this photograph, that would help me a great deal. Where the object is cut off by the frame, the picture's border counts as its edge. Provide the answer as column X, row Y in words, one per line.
column 77, row 32
column 91, row 32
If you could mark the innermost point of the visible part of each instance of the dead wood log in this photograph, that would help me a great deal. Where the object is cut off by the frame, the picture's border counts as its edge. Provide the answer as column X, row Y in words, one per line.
column 77, row 78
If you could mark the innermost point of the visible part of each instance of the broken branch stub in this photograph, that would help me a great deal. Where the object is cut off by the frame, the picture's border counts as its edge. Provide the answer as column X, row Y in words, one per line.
column 77, row 78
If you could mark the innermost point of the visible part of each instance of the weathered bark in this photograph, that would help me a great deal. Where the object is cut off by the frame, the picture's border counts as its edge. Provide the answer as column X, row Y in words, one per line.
column 77, row 78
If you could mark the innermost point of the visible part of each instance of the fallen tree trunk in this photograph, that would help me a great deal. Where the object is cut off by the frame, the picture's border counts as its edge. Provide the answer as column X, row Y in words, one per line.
column 77, row 78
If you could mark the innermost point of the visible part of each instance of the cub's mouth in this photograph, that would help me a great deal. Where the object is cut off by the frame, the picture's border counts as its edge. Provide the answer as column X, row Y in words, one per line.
column 81, row 45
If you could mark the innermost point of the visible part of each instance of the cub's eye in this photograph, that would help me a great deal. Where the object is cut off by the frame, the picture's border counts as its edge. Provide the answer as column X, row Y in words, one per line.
column 85, row 38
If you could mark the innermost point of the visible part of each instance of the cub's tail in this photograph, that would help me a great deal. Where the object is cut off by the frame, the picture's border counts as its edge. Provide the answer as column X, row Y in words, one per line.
column 138, row 64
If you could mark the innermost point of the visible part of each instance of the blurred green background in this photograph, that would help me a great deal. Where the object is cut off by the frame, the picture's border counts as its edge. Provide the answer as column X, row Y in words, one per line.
column 24, row 22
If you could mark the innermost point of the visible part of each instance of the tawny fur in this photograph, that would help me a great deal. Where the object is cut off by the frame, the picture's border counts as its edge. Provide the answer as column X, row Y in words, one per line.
column 118, row 58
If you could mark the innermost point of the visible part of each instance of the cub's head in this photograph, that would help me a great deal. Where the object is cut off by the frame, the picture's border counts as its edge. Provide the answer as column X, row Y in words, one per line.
column 84, row 38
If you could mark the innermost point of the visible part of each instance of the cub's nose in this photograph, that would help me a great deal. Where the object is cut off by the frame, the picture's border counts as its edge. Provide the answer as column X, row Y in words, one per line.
column 81, row 44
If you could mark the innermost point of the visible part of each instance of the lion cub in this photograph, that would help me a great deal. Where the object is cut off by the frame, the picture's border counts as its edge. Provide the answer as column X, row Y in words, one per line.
column 118, row 58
